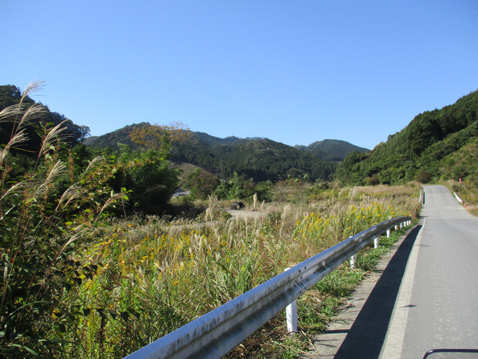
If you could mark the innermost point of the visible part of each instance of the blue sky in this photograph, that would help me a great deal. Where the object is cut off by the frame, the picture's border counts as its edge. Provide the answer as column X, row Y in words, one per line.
column 292, row 71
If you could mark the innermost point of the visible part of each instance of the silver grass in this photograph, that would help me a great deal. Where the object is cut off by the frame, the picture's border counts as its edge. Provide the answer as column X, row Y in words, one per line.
column 31, row 88
column 56, row 171
column 53, row 134
column 73, row 192
column 11, row 111
column 15, row 187
column 112, row 200
column 34, row 111
column 93, row 162
column 18, row 138
column 77, row 235
column 27, row 111
column 16, row 109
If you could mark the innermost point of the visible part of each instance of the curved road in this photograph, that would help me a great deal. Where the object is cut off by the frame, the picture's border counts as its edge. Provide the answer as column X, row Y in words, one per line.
column 437, row 304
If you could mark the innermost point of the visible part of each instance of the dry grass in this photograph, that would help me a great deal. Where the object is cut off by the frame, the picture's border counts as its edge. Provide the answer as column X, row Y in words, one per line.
column 170, row 272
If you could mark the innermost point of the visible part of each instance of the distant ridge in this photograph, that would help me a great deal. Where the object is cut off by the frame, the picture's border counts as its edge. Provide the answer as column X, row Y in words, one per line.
column 258, row 158
column 112, row 139
column 331, row 150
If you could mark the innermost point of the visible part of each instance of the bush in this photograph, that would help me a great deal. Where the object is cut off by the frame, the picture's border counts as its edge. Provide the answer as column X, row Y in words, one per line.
column 423, row 177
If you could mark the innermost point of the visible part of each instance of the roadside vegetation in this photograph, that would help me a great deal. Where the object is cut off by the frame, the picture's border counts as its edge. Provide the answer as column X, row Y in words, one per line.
column 98, row 261
column 436, row 145
column 467, row 191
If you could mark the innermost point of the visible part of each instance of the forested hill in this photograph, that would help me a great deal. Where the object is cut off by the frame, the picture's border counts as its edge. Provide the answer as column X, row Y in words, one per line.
column 331, row 150
column 116, row 138
column 258, row 158
column 11, row 95
column 438, row 144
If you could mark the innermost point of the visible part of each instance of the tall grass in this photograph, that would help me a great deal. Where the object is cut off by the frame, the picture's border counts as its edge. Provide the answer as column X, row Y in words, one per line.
column 156, row 275
column 43, row 226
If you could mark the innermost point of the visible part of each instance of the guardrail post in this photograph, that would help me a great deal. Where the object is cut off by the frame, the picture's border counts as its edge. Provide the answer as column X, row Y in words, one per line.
column 353, row 259
column 291, row 315
column 375, row 242
column 388, row 233
column 458, row 198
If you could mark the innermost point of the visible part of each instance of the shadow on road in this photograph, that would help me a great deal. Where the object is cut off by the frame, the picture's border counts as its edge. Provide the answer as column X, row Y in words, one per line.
column 366, row 337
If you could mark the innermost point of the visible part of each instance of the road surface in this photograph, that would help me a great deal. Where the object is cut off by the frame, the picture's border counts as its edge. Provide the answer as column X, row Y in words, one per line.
column 437, row 305
column 423, row 296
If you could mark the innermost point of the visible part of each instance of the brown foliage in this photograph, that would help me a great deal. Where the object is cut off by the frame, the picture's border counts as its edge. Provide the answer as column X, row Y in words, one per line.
column 157, row 136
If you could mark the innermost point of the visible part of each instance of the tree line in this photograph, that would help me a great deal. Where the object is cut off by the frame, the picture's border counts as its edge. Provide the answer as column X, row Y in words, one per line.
column 434, row 146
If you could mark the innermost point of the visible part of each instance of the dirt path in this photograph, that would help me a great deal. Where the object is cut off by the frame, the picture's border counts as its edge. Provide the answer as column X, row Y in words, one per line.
column 247, row 214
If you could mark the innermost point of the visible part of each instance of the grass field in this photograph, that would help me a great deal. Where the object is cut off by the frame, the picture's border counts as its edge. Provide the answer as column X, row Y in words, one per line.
column 155, row 275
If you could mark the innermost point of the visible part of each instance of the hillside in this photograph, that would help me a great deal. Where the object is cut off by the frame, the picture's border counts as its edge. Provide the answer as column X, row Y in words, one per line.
column 258, row 158
column 436, row 145
column 112, row 139
column 39, row 119
column 261, row 159
column 331, row 150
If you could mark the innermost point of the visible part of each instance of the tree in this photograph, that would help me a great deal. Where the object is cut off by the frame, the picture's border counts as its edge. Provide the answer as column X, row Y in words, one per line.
column 159, row 137
column 238, row 187
column 201, row 183
column 424, row 176
column 74, row 134
column 151, row 184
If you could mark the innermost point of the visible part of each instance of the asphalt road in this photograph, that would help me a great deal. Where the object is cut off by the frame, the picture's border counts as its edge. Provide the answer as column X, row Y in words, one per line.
column 437, row 304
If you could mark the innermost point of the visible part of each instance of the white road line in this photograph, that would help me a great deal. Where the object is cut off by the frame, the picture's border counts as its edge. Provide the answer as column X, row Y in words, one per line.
column 392, row 348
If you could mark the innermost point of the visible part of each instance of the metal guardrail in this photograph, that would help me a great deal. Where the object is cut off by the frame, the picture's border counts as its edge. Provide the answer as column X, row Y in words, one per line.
column 216, row 333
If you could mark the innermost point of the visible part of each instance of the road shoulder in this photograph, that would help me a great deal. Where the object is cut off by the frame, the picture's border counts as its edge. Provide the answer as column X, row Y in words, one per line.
column 330, row 343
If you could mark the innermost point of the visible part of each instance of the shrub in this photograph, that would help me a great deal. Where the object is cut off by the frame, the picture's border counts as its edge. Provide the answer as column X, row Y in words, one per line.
column 423, row 176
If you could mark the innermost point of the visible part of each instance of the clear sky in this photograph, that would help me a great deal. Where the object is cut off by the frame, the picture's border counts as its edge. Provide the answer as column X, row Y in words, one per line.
column 294, row 71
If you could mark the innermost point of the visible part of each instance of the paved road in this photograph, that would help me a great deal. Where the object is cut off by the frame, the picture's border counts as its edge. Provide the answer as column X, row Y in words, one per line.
column 437, row 305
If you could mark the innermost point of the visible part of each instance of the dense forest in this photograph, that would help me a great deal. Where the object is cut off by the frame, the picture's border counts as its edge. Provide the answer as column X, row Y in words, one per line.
column 436, row 145
column 260, row 159
column 331, row 150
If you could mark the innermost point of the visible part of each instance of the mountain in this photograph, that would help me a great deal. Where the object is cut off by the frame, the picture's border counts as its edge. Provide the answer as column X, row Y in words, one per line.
column 112, row 139
column 436, row 145
column 215, row 140
column 258, row 158
column 331, row 150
